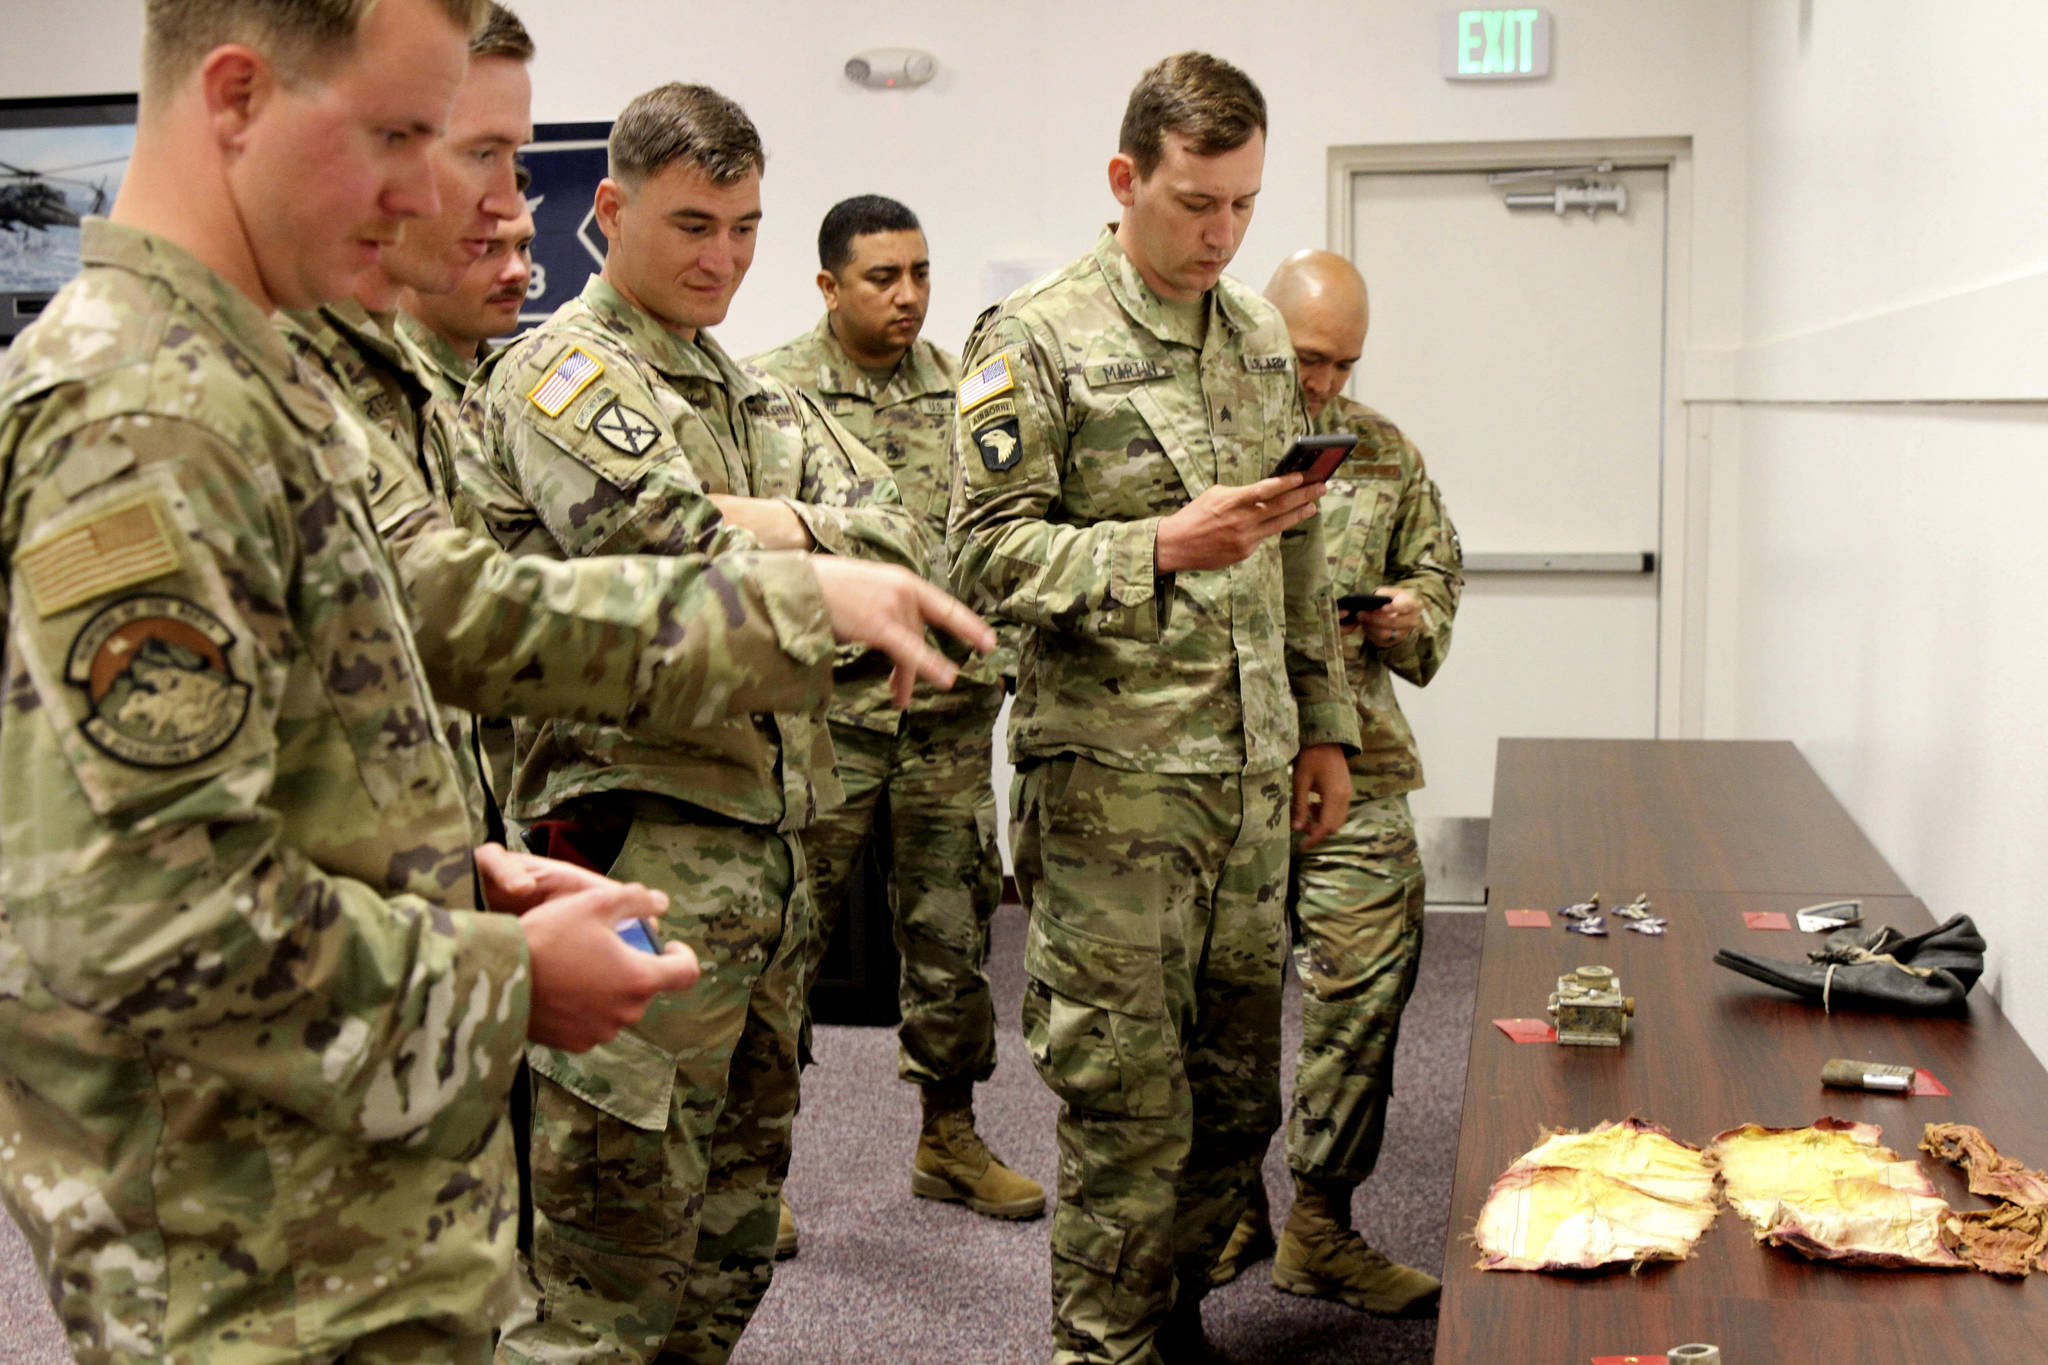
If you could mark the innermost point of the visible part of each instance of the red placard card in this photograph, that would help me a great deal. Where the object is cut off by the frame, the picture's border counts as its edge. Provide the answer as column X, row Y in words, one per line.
column 1924, row 1083
column 1765, row 919
column 1527, row 1030
column 1644, row 1358
column 1528, row 919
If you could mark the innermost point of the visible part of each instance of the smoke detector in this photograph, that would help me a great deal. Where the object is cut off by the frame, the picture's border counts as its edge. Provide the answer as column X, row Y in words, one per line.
column 891, row 68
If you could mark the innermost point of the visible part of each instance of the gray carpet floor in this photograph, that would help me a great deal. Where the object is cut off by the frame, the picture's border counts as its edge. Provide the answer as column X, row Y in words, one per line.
column 885, row 1277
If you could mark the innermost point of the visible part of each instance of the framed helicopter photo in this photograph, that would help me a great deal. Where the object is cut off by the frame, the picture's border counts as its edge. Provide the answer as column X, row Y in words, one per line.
column 61, row 159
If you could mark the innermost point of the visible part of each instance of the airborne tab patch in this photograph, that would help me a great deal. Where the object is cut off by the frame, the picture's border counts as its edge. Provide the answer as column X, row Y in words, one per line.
column 1000, row 446
column 571, row 375
column 1266, row 364
column 986, row 382
column 116, row 549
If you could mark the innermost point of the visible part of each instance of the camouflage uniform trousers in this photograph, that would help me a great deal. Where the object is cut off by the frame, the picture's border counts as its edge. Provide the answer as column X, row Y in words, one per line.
column 658, row 1159
column 1153, row 960
column 946, row 883
column 1355, row 906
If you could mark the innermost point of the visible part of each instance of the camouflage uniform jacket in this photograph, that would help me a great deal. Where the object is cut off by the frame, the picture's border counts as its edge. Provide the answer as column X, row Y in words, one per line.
column 908, row 421
column 1386, row 527
column 439, row 366
column 662, row 643
column 1088, row 414
column 253, row 1054
column 611, row 431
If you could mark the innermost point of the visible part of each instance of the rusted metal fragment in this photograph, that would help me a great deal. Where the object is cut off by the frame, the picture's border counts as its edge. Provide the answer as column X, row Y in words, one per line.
column 1624, row 1193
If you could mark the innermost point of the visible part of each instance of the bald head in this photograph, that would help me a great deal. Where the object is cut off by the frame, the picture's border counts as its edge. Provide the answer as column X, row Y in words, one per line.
column 1322, row 298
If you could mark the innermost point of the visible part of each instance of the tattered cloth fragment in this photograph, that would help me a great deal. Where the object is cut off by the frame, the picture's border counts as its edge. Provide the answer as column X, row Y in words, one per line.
column 2011, row 1239
column 1991, row 1175
column 1830, row 1192
column 1625, row 1192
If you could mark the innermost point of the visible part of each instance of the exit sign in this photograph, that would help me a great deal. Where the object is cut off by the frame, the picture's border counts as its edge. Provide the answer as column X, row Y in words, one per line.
column 1495, row 44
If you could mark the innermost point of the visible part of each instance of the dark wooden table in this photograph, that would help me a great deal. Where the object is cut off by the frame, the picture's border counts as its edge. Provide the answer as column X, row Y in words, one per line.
column 1711, row 830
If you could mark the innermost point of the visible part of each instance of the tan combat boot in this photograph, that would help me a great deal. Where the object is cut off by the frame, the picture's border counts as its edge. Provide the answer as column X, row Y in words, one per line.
column 953, row 1164
column 1251, row 1241
column 1321, row 1257
column 785, row 1233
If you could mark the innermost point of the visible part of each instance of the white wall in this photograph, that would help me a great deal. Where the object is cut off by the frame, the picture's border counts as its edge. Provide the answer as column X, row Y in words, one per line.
column 1881, row 561
column 1003, row 155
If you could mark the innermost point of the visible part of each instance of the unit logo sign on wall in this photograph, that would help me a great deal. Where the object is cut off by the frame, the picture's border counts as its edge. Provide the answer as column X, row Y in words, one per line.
column 566, row 160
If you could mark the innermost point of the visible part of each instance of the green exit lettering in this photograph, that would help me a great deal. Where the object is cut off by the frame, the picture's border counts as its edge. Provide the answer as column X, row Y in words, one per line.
column 1496, row 42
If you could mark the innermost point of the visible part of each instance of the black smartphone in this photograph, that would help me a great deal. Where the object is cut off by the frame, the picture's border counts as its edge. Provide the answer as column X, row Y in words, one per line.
column 1316, row 456
column 1359, row 603
column 639, row 933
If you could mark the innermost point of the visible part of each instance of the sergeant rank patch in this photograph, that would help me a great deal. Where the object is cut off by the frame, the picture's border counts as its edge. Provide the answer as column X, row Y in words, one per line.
column 571, row 375
column 155, row 670
column 625, row 429
column 999, row 445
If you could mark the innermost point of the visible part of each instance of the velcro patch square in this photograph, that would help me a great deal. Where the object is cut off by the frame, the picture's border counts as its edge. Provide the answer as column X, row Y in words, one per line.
column 571, row 375
column 986, row 382
column 120, row 547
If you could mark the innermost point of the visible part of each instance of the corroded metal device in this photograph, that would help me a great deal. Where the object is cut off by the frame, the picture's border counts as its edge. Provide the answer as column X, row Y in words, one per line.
column 1590, row 1009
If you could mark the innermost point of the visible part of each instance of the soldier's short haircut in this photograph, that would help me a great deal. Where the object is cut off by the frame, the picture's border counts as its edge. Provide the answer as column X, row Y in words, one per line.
column 688, row 123
column 301, row 38
column 1202, row 98
column 855, row 217
column 501, row 35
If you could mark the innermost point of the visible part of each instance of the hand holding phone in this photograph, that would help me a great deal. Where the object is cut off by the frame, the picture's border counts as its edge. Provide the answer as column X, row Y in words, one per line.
column 640, row 933
column 1356, row 604
column 1316, row 456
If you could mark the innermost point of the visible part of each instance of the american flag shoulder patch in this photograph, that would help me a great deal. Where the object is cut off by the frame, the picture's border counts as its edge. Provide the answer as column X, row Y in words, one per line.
column 986, row 382
column 115, row 549
column 571, row 375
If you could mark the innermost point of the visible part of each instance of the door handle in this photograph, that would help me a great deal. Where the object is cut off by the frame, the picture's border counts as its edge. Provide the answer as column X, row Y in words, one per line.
column 1624, row 562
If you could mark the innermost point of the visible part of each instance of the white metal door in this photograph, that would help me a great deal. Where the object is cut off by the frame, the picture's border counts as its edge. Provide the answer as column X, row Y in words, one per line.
column 1522, row 352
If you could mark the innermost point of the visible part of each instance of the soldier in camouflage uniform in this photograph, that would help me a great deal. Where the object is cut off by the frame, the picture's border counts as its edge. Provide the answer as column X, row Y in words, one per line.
column 598, row 642
column 1118, row 426
column 646, row 641
column 866, row 363
column 623, row 426
column 255, row 1039
column 1356, row 900
column 444, row 335
column 451, row 330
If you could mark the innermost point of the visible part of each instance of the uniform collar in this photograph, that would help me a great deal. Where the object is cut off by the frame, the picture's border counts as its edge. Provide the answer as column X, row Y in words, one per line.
column 658, row 346
column 916, row 376
column 451, row 364
column 230, row 312
column 1147, row 309
column 356, row 345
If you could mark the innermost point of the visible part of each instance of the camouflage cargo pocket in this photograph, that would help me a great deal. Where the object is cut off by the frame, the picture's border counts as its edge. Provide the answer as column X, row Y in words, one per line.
column 1095, row 1021
column 600, row 1140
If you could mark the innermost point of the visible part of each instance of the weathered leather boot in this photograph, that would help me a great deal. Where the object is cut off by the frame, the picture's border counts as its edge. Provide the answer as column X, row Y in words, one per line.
column 785, row 1233
column 1251, row 1241
column 953, row 1164
column 1320, row 1256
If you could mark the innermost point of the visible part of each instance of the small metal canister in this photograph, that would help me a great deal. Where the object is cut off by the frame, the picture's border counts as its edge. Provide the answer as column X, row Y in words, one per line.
column 1590, row 1009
